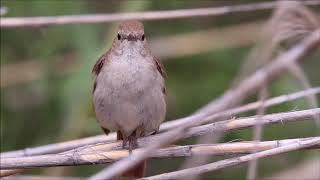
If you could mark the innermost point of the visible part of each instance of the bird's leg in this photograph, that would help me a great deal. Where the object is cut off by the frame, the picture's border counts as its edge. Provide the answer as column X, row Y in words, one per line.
column 132, row 141
column 124, row 142
column 123, row 138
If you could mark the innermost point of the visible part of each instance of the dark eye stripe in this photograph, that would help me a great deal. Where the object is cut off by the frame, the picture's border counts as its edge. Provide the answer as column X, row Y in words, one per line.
column 119, row 36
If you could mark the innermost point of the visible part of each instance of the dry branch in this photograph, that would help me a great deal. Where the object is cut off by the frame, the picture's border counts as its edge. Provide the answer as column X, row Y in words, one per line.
column 64, row 146
column 290, row 22
column 58, row 147
column 235, row 161
column 213, row 128
column 52, row 148
column 300, row 76
column 32, row 177
column 266, row 74
column 117, row 145
column 12, row 22
column 233, row 96
column 286, row 12
column 98, row 157
column 4, row 173
column 257, row 133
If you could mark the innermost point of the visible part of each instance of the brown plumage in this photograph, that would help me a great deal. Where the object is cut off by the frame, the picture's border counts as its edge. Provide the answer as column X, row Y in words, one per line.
column 129, row 89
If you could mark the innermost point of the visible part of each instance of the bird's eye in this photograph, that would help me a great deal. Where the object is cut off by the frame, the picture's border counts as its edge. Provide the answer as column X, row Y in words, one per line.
column 142, row 38
column 118, row 36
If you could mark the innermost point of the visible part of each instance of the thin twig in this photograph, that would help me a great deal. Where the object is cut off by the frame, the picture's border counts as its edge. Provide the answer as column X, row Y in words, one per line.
column 10, row 172
column 298, row 73
column 32, row 177
column 266, row 74
column 235, row 161
column 212, row 128
column 205, row 129
column 248, row 87
column 58, row 147
column 257, row 133
column 74, row 157
column 276, row 32
column 12, row 22
column 64, row 146
column 99, row 157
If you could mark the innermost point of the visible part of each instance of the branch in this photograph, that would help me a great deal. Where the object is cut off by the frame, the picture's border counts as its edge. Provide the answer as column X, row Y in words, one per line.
column 248, row 87
column 4, row 173
column 101, row 156
column 300, row 76
column 235, row 161
column 209, row 128
column 64, row 146
column 257, row 134
column 217, row 127
column 12, row 22
column 212, row 128
column 266, row 74
column 33, row 177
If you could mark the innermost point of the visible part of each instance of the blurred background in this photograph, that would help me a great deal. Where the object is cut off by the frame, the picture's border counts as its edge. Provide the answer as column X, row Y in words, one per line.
column 46, row 78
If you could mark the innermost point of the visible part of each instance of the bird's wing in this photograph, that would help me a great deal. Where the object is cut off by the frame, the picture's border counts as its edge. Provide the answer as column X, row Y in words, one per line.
column 99, row 64
column 161, row 70
column 97, row 68
column 160, row 67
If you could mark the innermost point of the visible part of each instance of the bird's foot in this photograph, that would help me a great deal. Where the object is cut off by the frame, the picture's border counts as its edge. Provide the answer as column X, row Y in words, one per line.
column 124, row 143
column 133, row 143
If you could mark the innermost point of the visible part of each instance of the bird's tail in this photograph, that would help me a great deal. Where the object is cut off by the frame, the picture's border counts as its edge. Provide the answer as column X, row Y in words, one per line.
column 137, row 171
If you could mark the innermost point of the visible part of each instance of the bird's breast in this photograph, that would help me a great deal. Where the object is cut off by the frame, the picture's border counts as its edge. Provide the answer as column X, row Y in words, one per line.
column 128, row 94
column 127, row 76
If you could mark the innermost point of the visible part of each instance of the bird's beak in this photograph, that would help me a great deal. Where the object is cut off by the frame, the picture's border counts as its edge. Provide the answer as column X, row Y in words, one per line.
column 131, row 37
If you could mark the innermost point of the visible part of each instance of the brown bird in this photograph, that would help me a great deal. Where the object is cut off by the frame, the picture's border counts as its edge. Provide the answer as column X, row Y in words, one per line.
column 129, row 89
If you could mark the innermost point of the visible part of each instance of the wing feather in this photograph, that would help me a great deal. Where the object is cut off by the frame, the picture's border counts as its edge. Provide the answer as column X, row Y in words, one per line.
column 161, row 70
column 97, row 68
column 160, row 67
column 99, row 64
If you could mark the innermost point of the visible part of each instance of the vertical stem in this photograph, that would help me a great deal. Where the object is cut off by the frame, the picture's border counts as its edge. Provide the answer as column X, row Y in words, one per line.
column 258, row 130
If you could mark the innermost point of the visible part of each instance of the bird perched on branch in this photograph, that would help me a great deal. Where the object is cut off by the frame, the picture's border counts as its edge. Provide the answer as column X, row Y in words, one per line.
column 129, row 89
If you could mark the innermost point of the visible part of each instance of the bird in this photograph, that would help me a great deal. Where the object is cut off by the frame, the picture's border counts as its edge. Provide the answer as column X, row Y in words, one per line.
column 129, row 93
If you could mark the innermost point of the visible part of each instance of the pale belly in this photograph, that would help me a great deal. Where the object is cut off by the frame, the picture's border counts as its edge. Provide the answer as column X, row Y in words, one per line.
column 129, row 97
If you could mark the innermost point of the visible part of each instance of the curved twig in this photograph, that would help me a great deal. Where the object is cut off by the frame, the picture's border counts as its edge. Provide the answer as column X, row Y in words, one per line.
column 235, row 161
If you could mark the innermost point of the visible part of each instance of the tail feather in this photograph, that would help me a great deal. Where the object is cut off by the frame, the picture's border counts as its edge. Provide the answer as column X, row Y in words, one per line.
column 137, row 171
